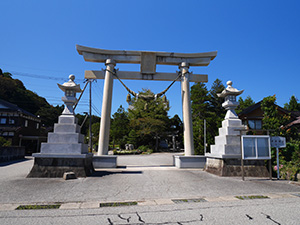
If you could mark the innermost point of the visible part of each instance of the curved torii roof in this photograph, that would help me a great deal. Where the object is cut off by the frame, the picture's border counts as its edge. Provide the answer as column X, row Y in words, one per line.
column 163, row 58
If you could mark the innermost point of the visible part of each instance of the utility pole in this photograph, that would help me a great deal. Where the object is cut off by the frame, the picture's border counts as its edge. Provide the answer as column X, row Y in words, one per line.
column 90, row 114
column 204, row 136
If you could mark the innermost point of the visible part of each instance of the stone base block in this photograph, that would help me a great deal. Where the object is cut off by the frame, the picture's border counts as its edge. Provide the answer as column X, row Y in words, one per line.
column 105, row 161
column 195, row 161
column 232, row 167
column 57, row 166
column 69, row 176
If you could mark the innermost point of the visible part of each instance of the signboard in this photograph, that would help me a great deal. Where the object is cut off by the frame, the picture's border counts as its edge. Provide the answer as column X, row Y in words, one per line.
column 256, row 147
column 278, row 142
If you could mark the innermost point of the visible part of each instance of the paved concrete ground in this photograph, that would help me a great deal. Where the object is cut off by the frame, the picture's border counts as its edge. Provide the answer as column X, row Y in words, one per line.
column 153, row 183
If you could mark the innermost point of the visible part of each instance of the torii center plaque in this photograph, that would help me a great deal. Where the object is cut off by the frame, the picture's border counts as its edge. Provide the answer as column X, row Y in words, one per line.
column 148, row 62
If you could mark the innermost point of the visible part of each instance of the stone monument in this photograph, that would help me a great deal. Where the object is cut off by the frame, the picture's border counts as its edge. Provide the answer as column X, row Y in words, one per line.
column 225, row 156
column 65, row 150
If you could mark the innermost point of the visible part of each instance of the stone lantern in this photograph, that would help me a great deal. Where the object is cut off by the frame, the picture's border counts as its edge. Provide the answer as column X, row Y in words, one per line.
column 65, row 150
column 225, row 155
column 230, row 103
column 226, row 152
column 70, row 88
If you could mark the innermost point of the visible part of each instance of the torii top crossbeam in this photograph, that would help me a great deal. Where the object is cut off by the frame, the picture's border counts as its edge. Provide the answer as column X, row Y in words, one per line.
column 147, row 59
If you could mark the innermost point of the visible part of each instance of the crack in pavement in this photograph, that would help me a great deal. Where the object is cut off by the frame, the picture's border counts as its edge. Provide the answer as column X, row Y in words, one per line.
column 250, row 218
column 110, row 223
column 140, row 218
column 269, row 217
column 201, row 217
column 127, row 219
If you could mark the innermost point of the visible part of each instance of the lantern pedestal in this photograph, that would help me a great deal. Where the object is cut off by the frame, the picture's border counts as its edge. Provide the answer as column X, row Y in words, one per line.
column 232, row 167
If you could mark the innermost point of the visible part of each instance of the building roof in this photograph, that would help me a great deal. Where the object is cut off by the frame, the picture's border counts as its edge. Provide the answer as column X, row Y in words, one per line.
column 295, row 114
column 295, row 122
column 258, row 105
column 4, row 105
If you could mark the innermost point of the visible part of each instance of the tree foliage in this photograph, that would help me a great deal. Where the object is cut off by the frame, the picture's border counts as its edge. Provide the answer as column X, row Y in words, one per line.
column 119, row 126
column 215, row 101
column 148, row 119
column 273, row 120
column 206, row 105
column 243, row 104
column 200, row 105
column 85, row 126
column 293, row 104
column 14, row 91
column 175, row 127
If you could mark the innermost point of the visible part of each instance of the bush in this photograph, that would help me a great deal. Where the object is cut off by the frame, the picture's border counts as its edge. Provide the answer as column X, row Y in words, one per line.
column 290, row 160
column 289, row 171
column 141, row 150
column 4, row 142
column 145, row 149
column 126, row 152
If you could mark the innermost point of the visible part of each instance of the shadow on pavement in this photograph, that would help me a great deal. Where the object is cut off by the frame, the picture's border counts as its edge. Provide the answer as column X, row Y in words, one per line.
column 156, row 166
column 107, row 173
column 2, row 164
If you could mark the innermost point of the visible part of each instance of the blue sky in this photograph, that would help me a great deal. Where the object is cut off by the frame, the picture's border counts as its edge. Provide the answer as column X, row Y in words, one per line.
column 257, row 43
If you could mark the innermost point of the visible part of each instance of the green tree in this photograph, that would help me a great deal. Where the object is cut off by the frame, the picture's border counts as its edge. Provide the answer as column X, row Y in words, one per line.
column 95, row 132
column 175, row 127
column 293, row 104
column 206, row 105
column 200, row 105
column 216, row 102
column 243, row 104
column 14, row 91
column 119, row 127
column 293, row 132
column 273, row 120
column 85, row 125
column 49, row 114
column 216, row 112
column 148, row 119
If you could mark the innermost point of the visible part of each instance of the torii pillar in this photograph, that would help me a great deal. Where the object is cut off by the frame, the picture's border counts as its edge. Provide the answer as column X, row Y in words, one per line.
column 103, row 143
column 186, row 110
column 148, row 61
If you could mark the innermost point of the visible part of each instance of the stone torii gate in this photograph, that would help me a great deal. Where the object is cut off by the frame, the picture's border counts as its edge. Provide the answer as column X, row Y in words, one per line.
column 148, row 61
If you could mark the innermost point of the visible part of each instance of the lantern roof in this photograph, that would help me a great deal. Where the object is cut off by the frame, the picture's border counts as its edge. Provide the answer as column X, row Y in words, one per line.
column 70, row 85
column 230, row 91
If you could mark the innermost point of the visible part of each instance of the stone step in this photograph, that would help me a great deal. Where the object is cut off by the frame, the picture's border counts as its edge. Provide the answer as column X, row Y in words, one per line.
column 232, row 123
column 225, row 149
column 57, row 148
column 228, row 139
column 67, row 119
column 65, row 138
column 66, row 128
column 229, row 131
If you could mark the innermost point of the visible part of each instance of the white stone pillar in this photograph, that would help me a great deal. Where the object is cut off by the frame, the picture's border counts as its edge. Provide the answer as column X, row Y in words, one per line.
column 186, row 110
column 106, row 108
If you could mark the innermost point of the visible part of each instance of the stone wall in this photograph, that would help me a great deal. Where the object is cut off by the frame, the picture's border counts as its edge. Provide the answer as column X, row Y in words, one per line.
column 232, row 167
column 11, row 153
